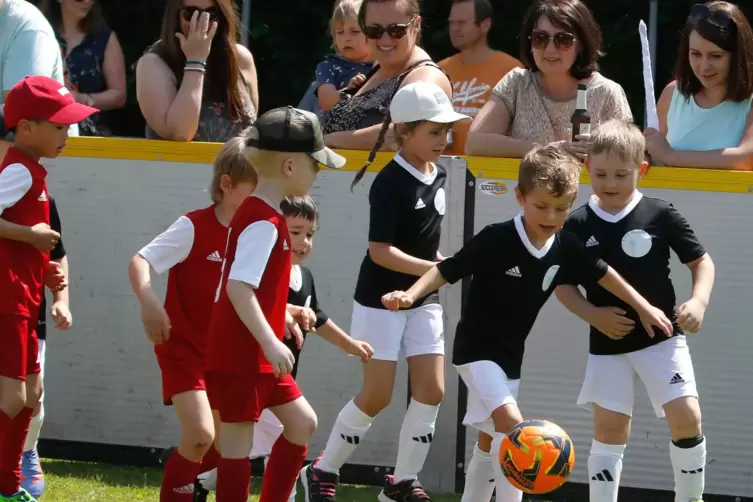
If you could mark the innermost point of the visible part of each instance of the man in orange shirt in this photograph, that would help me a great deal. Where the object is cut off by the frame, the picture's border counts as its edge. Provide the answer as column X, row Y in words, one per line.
column 477, row 68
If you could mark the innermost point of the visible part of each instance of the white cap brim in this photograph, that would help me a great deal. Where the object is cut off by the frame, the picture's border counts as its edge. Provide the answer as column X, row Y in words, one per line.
column 448, row 117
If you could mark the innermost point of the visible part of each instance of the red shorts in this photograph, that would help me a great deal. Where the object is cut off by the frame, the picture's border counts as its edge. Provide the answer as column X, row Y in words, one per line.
column 19, row 355
column 242, row 398
column 179, row 376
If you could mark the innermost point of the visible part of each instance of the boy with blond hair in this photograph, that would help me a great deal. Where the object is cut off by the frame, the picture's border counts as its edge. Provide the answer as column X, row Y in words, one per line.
column 248, row 364
column 634, row 234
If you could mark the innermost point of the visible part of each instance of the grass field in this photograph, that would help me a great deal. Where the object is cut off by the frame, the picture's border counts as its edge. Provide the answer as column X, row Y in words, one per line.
column 85, row 482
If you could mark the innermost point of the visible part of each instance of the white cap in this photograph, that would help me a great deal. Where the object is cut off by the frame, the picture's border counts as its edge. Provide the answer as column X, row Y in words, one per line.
column 423, row 101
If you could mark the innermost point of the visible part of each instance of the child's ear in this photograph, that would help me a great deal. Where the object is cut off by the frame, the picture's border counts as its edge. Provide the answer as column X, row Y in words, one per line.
column 519, row 196
column 225, row 182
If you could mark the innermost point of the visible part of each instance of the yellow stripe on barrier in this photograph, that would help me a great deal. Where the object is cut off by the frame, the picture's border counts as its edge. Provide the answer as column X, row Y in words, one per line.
column 705, row 180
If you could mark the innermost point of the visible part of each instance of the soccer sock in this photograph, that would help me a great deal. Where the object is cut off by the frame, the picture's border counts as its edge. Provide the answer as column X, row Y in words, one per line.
column 505, row 491
column 416, row 435
column 233, row 479
column 604, row 470
column 178, row 479
column 12, row 449
column 349, row 429
column 282, row 470
column 35, row 428
column 689, row 461
column 210, row 459
column 479, row 478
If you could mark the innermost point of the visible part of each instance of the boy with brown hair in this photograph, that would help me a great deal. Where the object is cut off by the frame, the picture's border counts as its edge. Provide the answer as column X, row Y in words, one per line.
column 515, row 267
column 192, row 250
column 248, row 364
column 39, row 110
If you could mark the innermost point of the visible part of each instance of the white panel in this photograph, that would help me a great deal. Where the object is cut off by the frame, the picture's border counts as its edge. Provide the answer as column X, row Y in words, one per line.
column 558, row 346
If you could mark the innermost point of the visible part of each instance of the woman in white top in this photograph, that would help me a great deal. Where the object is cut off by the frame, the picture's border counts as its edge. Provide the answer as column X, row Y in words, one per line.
column 705, row 115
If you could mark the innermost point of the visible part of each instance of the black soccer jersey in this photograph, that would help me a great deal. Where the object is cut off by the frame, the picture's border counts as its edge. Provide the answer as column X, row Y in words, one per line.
column 57, row 254
column 302, row 293
column 512, row 280
column 406, row 211
column 636, row 243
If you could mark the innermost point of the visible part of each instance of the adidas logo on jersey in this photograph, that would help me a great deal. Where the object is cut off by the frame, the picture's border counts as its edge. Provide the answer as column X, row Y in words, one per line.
column 603, row 476
column 43, row 197
column 676, row 379
column 285, row 246
column 514, row 272
column 420, row 204
column 591, row 242
column 215, row 257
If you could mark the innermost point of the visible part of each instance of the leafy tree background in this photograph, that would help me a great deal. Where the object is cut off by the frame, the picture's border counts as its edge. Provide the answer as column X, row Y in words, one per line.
column 289, row 37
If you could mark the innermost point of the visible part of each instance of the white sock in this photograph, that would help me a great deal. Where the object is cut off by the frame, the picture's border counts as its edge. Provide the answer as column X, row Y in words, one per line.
column 505, row 491
column 604, row 470
column 689, row 466
column 208, row 480
column 479, row 478
column 416, row 436
column 346, row 435
column 35, row 428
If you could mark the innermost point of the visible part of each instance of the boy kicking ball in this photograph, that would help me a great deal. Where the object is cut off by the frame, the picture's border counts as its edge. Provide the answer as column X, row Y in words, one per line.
column 634, row 234
column 248, row 364
column 515, row 267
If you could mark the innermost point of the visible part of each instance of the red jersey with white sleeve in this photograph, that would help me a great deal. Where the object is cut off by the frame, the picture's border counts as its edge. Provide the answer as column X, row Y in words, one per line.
column 191, row 250
column 23, row 200
column 258, row 254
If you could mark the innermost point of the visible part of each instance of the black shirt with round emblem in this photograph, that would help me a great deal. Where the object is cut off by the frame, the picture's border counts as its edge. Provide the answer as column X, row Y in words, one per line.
column 302, row 293
column 512, row 280
column 406, row 211
column 636, row 243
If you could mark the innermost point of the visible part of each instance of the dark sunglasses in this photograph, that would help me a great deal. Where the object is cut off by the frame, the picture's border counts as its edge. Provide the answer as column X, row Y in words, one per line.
column 188, row 12
column 563, row 41
column 396, row 31
column 720, row 18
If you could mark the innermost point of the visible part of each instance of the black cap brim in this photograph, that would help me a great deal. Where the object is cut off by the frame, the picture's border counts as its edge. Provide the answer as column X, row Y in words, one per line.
column 329, row 158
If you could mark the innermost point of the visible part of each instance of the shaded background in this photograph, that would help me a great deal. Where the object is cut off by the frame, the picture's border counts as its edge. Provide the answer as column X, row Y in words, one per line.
column 289, row 37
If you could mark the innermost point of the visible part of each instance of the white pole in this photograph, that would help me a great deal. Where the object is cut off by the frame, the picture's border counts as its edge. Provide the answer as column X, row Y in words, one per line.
column 653, row 21
column 245, row 21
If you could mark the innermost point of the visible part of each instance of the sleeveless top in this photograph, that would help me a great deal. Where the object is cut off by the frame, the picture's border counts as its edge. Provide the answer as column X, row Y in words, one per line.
column 215, row 124
column 369, row 108
column 690, row 127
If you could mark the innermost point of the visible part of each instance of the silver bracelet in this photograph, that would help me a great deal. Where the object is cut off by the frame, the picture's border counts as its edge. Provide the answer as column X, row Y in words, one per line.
column 199, row 69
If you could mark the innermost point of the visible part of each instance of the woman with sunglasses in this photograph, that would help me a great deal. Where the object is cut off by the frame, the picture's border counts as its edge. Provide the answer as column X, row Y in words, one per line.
column 560, row 47
column 393, row 31
column 93, row 57
column 197, row 83
column 705, row 115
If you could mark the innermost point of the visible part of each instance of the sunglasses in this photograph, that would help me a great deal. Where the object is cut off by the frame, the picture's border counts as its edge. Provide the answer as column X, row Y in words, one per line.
column 396, row 31
column 719, row 18
column 187, row 13
column 563, row 41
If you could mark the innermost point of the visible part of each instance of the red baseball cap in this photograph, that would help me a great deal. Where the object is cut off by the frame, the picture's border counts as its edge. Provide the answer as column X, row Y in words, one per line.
column 42, row 98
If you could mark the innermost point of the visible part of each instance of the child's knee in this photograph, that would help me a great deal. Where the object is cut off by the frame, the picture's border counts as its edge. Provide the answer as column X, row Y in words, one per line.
column 611, row 427
column 506, row 417
column 684, row 417
column 199, row 439
column 373, row 403
column 431, row 394
column 303, row 429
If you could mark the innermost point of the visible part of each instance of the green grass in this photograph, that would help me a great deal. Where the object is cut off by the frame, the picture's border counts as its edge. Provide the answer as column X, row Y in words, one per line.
column 86, row 482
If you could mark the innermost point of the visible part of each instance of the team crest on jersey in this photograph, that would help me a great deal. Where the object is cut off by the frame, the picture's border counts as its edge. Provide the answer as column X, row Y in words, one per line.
column 43, row 196
column 549, row 277
column 439, row 201
column 636, row 243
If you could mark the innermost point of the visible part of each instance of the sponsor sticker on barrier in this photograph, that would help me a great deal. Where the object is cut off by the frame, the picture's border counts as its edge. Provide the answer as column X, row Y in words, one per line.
column 492, row 187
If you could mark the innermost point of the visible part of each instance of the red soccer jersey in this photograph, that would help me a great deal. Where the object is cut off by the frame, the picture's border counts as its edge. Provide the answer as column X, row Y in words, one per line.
column 192, row 250
column 258, row 254
column 24, row 201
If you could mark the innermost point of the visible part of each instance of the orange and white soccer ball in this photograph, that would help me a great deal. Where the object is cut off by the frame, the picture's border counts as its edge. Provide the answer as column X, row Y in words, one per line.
column 537, row 456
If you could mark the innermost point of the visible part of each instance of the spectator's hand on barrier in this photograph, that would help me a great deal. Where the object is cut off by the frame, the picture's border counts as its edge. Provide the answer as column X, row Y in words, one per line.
column 156, row 322
column 690, row 316
column 43, row 237
column 397, row 300
column 611, row 321
column 197, row 44
column 54, row 277
column 657, row 145
column 280, row 357
column 293, row 329
column 356, row 81
column 61, row 314
column 362, row 350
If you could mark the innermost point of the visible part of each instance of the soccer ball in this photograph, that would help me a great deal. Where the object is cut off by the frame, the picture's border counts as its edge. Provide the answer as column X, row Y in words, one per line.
column 537, row 456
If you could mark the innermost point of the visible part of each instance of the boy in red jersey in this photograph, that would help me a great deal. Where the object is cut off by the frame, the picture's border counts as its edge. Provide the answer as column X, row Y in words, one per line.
column 40, row 110
column 192, row 250
column 248, row 365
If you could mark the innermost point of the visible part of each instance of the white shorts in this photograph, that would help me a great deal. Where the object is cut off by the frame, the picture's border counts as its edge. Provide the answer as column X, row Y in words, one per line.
column 666, row 370
column 266, row 432
column 405, row 333
column 42, row 356
column 488, row 389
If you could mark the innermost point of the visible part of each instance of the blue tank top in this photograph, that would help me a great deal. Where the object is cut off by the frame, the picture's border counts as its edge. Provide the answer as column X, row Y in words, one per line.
column 690, row 127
